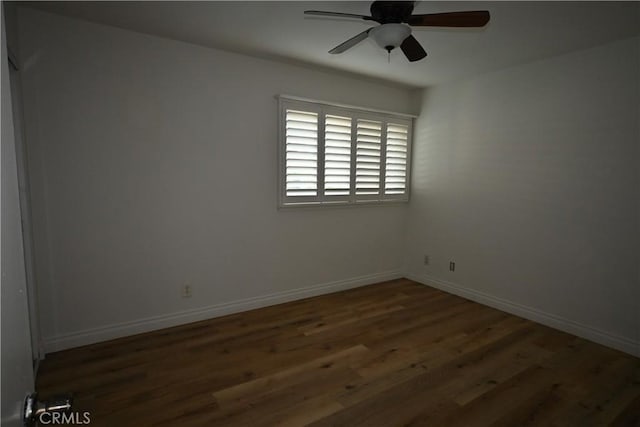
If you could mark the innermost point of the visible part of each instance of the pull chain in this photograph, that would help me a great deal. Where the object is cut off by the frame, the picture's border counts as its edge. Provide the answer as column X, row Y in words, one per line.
column 389, row 49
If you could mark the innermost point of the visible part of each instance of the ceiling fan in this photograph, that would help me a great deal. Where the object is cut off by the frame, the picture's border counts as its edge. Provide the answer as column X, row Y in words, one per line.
column 396, row 19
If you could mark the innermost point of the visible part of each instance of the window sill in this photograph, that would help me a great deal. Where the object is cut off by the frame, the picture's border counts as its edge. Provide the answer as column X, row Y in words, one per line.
column 340, row 204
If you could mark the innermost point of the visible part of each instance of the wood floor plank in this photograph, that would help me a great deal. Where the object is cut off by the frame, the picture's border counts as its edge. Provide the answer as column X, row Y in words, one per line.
column 425, row 384
column 630, row 416
column 394, row 353
column 270, row 382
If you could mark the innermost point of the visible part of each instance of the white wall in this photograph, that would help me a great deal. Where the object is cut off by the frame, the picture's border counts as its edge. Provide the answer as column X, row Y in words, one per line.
column 153, row 164
column 528, row 179
column 17, row 371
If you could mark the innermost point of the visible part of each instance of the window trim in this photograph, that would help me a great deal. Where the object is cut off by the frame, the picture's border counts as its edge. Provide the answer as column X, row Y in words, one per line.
column 323, row 108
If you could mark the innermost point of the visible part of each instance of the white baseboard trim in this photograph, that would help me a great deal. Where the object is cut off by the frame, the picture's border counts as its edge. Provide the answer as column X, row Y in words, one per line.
column 105, row 333
column 584, row 331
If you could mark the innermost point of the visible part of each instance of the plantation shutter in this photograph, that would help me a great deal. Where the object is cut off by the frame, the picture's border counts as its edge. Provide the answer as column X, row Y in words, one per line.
column 368, row 150
column 396, row 159
column 330, row 154
column 337, row 155
column 301, row 153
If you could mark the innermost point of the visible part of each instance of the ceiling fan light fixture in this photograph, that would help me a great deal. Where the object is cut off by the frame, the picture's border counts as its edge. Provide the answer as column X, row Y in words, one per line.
column 390, row 36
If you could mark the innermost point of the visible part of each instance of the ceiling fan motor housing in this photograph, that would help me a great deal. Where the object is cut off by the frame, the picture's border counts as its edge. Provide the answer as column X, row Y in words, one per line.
column 391, row 12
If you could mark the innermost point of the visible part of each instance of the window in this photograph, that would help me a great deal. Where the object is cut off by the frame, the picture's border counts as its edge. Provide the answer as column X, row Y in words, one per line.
column 332, row 154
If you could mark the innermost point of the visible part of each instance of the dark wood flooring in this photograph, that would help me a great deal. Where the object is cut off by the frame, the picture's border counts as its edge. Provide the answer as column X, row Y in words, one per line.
column 390, row 354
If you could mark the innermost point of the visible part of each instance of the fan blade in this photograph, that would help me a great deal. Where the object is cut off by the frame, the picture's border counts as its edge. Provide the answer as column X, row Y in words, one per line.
column 412, row 49
column 476, row 18
column 351, row 42
column 337, row 14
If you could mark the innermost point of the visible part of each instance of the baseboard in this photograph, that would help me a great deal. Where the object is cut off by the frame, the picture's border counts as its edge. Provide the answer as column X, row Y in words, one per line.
column 584, row 331
column 91, row 336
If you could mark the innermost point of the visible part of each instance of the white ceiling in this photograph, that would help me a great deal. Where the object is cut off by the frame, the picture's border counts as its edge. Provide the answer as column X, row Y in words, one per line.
column 518, row 32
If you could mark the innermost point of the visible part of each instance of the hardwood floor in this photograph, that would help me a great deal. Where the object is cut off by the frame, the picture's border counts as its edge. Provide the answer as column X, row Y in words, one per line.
column 395, row 353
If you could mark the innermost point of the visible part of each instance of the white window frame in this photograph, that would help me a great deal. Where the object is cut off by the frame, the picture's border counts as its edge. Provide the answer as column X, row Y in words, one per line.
column 355, row 113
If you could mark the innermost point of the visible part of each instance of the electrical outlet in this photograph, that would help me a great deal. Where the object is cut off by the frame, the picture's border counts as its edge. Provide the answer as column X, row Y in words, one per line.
column 186, row 291
column 452, row 266
column 426, row 260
